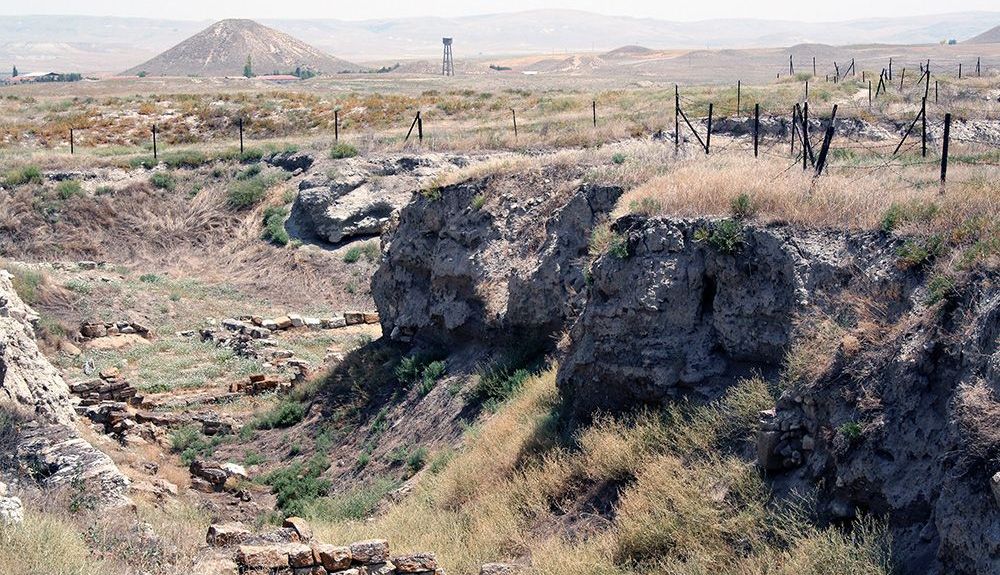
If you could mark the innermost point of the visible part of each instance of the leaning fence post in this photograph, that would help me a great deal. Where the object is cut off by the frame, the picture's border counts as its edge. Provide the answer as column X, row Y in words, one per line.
column 821, row 161
column 902, row 76
column 944, row 150
column 708, row 135
column 514, row 115
column 413, row 125
column 154, row 141
column 756, row 127
column 923, row 136
column 677, row 118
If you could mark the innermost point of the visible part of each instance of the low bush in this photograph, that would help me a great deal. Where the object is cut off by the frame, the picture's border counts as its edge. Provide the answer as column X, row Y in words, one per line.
column 726, row 236
column 189, row 442
column 285, row 414
column 417, row 459
column 163, row 181
column 22, row 176
column 355, row 504
column 247, row 193
column 430, row 376
column 939, row 288
column 274, row 225
column 369, row 251
column 299, row 484
column 69, row 189
column 184, row 159
column 917, row 253
column 341, row 151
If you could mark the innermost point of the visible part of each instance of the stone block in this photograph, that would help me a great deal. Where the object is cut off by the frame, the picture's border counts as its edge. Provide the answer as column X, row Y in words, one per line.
column 262, row 557
column 415, row 562
column 300, row 525
column 331, row 557
column 226, row 534
column 300, row 555
column 370, row 551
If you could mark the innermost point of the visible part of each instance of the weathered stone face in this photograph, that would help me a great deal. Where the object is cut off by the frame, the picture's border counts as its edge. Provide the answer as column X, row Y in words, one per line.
column 331, row 557
column 510, row 270
column 676, row 312
column 371, row 551
column 30, row 384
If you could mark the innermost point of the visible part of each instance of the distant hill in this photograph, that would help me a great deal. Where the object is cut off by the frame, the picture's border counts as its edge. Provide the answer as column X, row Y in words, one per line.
column 628, row 52
column 991, row 36
column 222, row 50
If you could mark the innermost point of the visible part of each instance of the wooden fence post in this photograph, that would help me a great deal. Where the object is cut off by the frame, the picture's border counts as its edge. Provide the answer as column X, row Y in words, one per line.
column 71, row 142
column 935, row 91
column 413, row 125
column 514, row 115
column 959, row 70
column 739, row 87
column 791, row 68
column 978, row 71
column 795, row 126
column 594, row 104
column 420, row 128
column 923, row 135
column 807, row 91
column 154, row 141
column 336, row 125
column 821, row 161
column 902, row 76
column 708, row 135
column 756, row 127
column 241, row 136
column 869, row 93
column 814, row 65
column 890, row 69
column 677, row 118
column 944, row 150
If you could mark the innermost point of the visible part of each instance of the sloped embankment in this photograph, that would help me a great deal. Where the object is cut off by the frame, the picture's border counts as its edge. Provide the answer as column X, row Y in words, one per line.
column 46, row 444
column 886, row 399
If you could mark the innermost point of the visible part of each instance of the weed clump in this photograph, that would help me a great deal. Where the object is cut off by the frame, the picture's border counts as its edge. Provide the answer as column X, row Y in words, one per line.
column 274, row 225
column 163, row 181
column 285, row 414
column 22, row 176
column 726, row 236
column 342, row 151
column 299, row 484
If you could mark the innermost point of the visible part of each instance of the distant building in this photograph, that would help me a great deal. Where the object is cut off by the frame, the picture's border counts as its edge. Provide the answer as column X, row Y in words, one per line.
column 45, row 77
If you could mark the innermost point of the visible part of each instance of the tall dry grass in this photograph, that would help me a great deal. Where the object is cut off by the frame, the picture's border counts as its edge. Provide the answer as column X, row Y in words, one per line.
column 848, row 197
column 685, row 502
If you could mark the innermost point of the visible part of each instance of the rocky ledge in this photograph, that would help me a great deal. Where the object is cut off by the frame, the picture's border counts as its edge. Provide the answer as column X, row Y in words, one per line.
column 48, row 446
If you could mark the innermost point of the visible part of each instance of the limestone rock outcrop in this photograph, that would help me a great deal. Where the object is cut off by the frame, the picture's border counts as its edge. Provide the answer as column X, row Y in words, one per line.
column 48, row 443
column 358, row 196
column 510, row 268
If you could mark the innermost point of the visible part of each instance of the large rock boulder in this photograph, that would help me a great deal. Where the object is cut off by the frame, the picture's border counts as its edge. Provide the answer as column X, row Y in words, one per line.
column 491, row 260
column 357, row 197
column 677, row 307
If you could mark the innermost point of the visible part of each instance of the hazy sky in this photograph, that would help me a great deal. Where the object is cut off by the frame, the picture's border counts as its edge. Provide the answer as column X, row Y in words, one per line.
column 664, row 9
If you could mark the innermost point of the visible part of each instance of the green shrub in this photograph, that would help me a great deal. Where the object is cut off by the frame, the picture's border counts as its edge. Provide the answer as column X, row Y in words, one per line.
column 79, row 286
column 441, row 460
column 285, row 414
column 851, row 431
column 274, row 225
column 145, row 162
column 618, row 247
column 940, row 287
column 497, row 384
column 915, row 211
column 341, row 151
column 67, row 189
column 190, row 443
column 355, row 504
column 618, row 158
column 368, row 250
column 430, row 376
column 163, row 181
column 299, row 484
column 917, row 253
column 184, row 159
column 150, row 278
column 409, row 369
column 252, row 458
column 22, row 176
column 742, row 207
column 478, row 201
column 246, row 193
column 417, row 459
column 249, row 173
column 726, row 236
column 648, row 206
column 364, row 458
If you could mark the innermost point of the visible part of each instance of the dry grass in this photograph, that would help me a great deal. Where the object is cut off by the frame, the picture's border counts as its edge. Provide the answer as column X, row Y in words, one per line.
column 684, row 507
column 977, row 412
column 53, row 540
